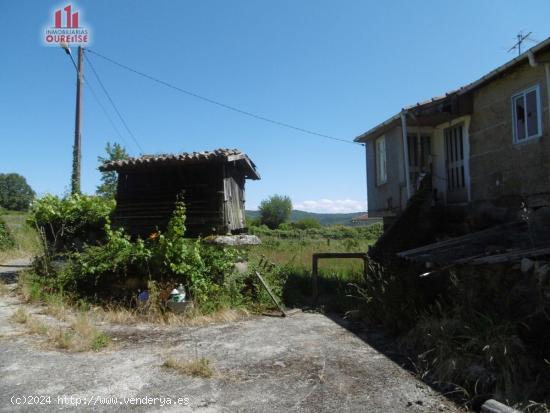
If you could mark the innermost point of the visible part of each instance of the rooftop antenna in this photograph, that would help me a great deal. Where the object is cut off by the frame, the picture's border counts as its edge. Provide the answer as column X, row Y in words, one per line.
column 521, row 38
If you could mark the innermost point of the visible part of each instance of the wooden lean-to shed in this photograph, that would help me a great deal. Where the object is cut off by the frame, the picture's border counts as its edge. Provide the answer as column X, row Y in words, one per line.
column 211, row 182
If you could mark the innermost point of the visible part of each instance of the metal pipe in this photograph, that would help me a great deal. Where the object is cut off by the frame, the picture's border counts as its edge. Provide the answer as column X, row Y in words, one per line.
column 367, row 172
column 406, row 152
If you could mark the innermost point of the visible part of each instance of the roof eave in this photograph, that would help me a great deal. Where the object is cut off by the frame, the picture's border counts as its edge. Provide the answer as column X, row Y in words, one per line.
column 375, row 131
column 511, row 63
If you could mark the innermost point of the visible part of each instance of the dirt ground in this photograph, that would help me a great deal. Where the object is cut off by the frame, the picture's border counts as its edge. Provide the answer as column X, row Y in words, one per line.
column 305, row 363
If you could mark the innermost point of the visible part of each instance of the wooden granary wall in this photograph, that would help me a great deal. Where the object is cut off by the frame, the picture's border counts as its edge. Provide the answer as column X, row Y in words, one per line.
column 212, row 185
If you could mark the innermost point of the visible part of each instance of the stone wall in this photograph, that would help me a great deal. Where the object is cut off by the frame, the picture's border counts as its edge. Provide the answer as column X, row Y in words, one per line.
column 498, row 166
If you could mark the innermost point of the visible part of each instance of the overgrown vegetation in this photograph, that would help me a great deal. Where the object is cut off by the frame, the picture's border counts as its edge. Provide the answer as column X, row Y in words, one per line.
column 292, row 250
column 69, row 223
column 115, row 267
column 6, row 240
column 476, row 333
column 17, row 238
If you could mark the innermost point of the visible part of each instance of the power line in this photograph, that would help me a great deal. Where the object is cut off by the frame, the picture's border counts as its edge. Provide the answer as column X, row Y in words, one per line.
column 217, row 103
column 98, row 101
column 113, row 104
column 88, row 84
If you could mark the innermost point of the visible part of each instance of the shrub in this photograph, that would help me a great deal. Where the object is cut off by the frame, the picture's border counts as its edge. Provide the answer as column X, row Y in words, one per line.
column 307, row 223
column 6, row 240
column 201, row 267
column 102, row 265
column 252, row 222
column 167, row 258
column 175, row 259
column 15, row 192
column 70, row 222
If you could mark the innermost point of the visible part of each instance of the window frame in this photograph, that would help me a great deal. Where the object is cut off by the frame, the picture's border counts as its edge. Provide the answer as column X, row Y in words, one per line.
column 381, row 180
column 523, row 93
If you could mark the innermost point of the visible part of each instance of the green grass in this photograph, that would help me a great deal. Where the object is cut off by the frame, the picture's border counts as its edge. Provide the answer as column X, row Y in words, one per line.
column 293, row 250
column 296, row 251
column 324, row 219
column 26, row 240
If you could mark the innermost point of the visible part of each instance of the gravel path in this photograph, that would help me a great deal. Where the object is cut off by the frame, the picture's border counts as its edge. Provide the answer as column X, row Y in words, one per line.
column 305, row 363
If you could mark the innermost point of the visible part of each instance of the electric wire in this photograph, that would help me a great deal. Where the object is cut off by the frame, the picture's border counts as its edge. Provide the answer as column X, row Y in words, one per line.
column 96, row 98
column 217, row 103
column 98, row 101
column 113, row 103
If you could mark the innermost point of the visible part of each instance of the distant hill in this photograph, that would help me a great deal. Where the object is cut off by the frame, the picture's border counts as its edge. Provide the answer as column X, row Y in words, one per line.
column 324, row 219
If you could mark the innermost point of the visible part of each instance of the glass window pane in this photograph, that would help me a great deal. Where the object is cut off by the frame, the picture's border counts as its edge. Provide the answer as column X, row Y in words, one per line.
column 381, row 161
column 452, row 178
column 519, row 113
column 447, row 149
column 461, row 142
column 378, row 169
column 532, row 116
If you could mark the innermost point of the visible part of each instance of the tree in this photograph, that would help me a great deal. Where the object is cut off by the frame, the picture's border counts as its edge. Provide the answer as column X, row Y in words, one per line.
column 15, row 192
column 115, row 152
column 275, row 210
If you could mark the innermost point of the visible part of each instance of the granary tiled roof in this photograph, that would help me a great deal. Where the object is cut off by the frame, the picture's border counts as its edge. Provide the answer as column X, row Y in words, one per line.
column 185, row 158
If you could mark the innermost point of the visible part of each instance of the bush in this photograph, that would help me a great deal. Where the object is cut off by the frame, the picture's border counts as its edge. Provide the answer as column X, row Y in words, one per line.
column 199, row 266
column 69, row 223
column 115, row 267
column 15, row 193
column 167, row 257
column 275, row 210
column 98, row 267
column 6, row 240
column 307, row 223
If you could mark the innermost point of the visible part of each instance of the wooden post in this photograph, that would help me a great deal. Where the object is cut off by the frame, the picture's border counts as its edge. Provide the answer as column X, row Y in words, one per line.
column 328, row 255
column 273, row 298
column 75, row 178
column 315, row 287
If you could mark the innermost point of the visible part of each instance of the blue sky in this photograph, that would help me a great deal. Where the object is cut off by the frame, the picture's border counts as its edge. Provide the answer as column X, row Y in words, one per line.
column 335, row 67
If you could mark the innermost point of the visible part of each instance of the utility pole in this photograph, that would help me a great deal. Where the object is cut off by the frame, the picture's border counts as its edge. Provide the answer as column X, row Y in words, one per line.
column 75, row 177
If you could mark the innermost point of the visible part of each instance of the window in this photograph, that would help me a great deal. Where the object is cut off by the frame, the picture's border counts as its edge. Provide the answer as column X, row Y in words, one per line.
column 527, row 118
column 381, row 172
column 454, row 158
